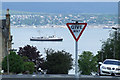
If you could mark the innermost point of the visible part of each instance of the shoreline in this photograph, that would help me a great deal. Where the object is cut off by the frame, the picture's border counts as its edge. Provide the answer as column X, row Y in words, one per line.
column 62, row 26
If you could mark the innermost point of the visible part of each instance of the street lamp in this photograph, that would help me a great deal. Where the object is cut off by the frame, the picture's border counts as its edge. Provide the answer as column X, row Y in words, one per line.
column 115, row 40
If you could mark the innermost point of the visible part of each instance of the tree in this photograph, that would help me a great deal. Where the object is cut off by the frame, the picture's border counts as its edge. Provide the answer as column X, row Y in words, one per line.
column 15, row 63
column 29, row 66
column 32, row 54
column 110, row 47
column 58, row 62
column 87, row 63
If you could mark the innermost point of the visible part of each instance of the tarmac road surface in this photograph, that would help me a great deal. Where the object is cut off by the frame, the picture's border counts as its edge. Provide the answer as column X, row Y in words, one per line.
column 57, row 77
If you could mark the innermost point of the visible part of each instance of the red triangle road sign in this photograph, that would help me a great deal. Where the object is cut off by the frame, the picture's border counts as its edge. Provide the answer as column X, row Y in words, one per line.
column 76, row 29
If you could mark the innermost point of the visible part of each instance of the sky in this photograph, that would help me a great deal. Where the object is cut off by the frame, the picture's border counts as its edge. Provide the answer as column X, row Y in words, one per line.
column 60, row 0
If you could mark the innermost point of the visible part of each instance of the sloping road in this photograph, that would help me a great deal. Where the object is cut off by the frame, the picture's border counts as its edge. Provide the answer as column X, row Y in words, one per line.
column 57, row 77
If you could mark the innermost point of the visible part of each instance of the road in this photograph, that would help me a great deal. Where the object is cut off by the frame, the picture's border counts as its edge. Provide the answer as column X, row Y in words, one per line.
column 57, row 77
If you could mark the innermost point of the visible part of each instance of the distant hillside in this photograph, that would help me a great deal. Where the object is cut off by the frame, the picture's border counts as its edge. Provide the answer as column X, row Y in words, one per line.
column 35, row 18
column 13, row 12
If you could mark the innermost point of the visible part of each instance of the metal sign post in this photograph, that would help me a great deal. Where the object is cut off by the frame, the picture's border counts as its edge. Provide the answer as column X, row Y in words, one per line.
column 76, row 59
column 76, row 30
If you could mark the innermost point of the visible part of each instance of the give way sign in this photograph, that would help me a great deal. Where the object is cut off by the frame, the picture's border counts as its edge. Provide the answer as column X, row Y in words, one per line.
column 76, row 29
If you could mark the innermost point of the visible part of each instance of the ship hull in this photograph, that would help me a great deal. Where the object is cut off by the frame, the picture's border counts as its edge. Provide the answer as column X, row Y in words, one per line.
column 46, row 39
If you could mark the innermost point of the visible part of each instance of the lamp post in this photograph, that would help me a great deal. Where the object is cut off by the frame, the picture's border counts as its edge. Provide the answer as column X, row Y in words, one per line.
column 116, row 37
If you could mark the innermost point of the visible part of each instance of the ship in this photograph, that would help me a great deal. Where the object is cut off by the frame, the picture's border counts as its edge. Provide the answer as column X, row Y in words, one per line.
column 48, row 38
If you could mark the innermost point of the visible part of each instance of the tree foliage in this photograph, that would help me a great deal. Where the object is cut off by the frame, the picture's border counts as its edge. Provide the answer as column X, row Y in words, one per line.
column 15, row 63
column 29, row 66
column 58, row 62
column 87, row 63
column 32, row 54
column 109, row 47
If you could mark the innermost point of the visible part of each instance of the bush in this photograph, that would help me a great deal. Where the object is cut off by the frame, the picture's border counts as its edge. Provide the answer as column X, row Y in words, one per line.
column 29, row 66
column 31, row 54
column 15, row 63
column 87, row 63
column 59, row 62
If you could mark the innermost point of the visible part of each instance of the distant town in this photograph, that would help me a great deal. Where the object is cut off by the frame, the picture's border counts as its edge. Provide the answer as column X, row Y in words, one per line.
column 43, row 20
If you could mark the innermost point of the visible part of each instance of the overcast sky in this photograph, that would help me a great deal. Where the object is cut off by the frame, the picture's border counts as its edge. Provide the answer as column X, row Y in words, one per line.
column 60, row 0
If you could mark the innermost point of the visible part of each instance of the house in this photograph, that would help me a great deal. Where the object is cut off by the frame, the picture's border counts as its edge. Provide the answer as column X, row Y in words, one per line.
column 5, row 37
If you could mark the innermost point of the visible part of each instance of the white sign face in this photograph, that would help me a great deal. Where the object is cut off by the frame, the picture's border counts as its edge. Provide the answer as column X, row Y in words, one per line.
column 76, row 29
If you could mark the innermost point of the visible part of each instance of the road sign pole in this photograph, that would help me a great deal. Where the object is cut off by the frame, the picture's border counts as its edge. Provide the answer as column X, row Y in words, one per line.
column 76, row 30
column 76, row 59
